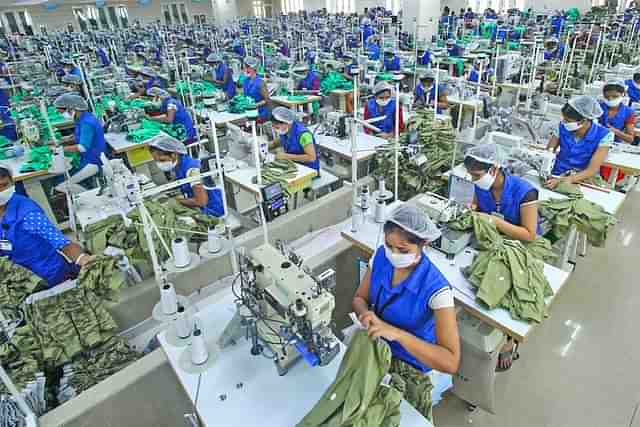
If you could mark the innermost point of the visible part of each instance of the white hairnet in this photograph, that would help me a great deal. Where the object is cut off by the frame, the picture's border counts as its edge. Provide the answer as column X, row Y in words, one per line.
column 168, row 144
column 490, row 153
column 284, row 115
column 586, row 106
column 413, row 220
column 214, row 57
column 615, row 82
column 156, row 91
column 429, row 74
column 381, row 87
column 252, row 62
column 72, row 79
column 148, row 71
column 71, row 101
column 66, row 61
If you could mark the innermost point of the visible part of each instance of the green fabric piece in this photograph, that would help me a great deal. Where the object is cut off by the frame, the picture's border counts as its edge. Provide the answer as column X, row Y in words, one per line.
column 384, row 77
column 240, row 103
column 103, row 277
column 417, row 387
column 357, row 388
column 17, row 284
column 199, row 88
column 297, row 98
column 589, row 218
column 39, row 158
column 436, row 141
column 507, row 274
column 333, row 81
column 122, row 105
column 151, row 128
column 279, row 171
column 463, row 222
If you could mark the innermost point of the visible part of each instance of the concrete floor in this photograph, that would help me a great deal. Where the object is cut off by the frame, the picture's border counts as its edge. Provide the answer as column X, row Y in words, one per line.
column 581, row 367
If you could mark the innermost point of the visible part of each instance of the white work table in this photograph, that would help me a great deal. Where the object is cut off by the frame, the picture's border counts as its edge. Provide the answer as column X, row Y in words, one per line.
column 627, row 163
column 610, row 201
column 120, row 144
column 369, row 236
column 91, row 208
column 472, row 103
column 221, row 117
column 284, row 100
column 243, row 177
column 253, row 393
column 365, row 145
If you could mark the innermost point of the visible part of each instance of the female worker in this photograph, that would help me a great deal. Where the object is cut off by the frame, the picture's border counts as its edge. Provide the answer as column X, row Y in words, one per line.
column 426, row 92
column 174, row 113
column 373, row 49
column 583, row 143
column 255, row 88
column 222, row 74
column 553, row 50
column 29, row 239
column 103, row 57
column 311, row 81
column 70, row 67
column 391, row 61
column 383, row 106
column 88, row 140
column 7, row 124
column 633, row 88
column 73, row 84
column 171, row 157
column 148, row 79
column 619, row 118
column 512, row 203
column 404, row 299
column 297, row 142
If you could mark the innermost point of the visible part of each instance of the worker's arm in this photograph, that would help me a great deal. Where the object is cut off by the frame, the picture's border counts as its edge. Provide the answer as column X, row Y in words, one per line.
column 306, row 140
column 265, row 95
column 84, row 144
column 227, row 77
column 200, row 198
column 554, row 143
column 443, row 101
column 527, row 231
column 628, row 133
column 168, row 117
column 360, row 302
column 367, row 116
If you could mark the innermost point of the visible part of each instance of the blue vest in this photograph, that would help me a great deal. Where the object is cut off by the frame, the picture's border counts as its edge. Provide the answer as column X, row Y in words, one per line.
column 98, row 145
column 427, row 97
column 291, row 144
column 425, row 59
column 454, row 51
column 556, row 24
column 307, row 82
column 251, row 87
column 154, row 82
column 374, row 51
column 406, row 306
column 393, row 64
column 182, row 116
column 632, row 91
column 102, row 55
column 574, row 154
column 617, row 121
column 75, row 71
column 214, row 207
column 32, row 252
column 389, row 112
column 513, row 193
column 474, row 75
column 367, row 32
column 230, row 87
column 556, row 54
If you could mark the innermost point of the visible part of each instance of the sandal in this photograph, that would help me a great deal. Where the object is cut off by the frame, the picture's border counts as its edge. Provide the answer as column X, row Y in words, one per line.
column 506, row 359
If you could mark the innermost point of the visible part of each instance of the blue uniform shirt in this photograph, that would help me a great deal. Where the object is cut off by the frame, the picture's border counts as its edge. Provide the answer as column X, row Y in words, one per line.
column 406, row 305
column 393, row 64
column 251, row 87
column 633, row 91
column 35, row 241
column 389, row 112
column 374, row 51
column 513, row 196
column 89, row 133
column 576, row 154
column 617, row 121
column 291, row 144
column 230, row 87
column 215, row 206
column 182, row 116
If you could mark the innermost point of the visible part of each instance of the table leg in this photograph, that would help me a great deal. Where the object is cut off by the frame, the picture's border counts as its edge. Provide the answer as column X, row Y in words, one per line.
column 613, row 178
column 35, row 191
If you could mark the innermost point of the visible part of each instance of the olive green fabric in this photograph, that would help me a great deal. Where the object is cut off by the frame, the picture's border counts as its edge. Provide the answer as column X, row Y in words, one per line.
column 589, row 218
column 103, row 277
column 280, row 171
column 199, row 88
column 417, row 387
column 436, row 141
column 17, row 284
column 356, row 397
column 463, row 222
column 507, row 274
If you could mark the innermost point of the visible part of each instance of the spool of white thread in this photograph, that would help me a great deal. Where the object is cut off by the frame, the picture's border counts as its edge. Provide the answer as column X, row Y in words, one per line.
column 181, row 255
column 182, row 323
column 168, row 299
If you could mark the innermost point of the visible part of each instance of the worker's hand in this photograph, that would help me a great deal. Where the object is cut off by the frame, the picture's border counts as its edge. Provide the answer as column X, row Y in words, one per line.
column 552, row 183
column 281, row 155
column 492, row 219
column 366, row 318
column 385, row 135
column 381, row 329
column 87, row 259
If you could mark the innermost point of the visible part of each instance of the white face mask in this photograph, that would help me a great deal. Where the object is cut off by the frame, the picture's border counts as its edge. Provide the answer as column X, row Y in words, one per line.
column 167, row 166
column 281, row 131
column 571, row 126
column 400, row 260
column 485, row 182
column 68, row 115
column 613, row 102
column 383, row 102
column 6, row 194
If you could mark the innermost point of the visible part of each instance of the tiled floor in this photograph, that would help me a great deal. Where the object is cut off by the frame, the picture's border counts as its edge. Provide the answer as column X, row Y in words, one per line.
column 582, row 366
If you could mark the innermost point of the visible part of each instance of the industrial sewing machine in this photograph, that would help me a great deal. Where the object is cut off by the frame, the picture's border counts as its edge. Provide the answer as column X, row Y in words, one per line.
column 283, row 307
column 443, row 210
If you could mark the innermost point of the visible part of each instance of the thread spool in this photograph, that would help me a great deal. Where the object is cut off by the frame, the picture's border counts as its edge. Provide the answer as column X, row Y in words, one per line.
column 182, row 323
column 214, row 238
column 199, row 352
column 380, row 210
column 168, row 299
column 181, row 255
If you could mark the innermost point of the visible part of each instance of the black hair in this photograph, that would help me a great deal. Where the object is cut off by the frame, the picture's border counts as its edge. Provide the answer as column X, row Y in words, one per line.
column 392, row 227
column 614, row 87
column 5, row 173
column 570, row 113
column 636, row 76
column 473, row 164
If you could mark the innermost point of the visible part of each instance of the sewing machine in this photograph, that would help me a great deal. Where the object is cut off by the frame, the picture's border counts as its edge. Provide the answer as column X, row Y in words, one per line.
column 283, row 307
column 540, row 160
column 442, row 210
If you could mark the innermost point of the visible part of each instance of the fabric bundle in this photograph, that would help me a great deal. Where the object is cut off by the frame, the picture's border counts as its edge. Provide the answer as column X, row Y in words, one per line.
column 240, row 103
column 588, row 217
column 150, row 128
column 279, row 171
column 199, row 88
column 508, row 274
column 333, row 81
column 421, row 169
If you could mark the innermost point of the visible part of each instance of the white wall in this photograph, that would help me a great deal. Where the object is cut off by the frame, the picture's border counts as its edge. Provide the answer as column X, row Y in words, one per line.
column 313, row 5
column 225, row 10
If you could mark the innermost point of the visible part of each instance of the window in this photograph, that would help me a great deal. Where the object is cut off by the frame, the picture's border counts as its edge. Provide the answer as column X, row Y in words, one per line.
column 102, row 14
column 124, row 16
column 183, row 12
column 81, row 18
column 113, row 17
column 25, row 20
column 258, row 8
column 394, row 6
column 92, row 16
column 11, row 22
column 166, row 13
column 292, row 6
column 175, row 14
column 341, row 6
